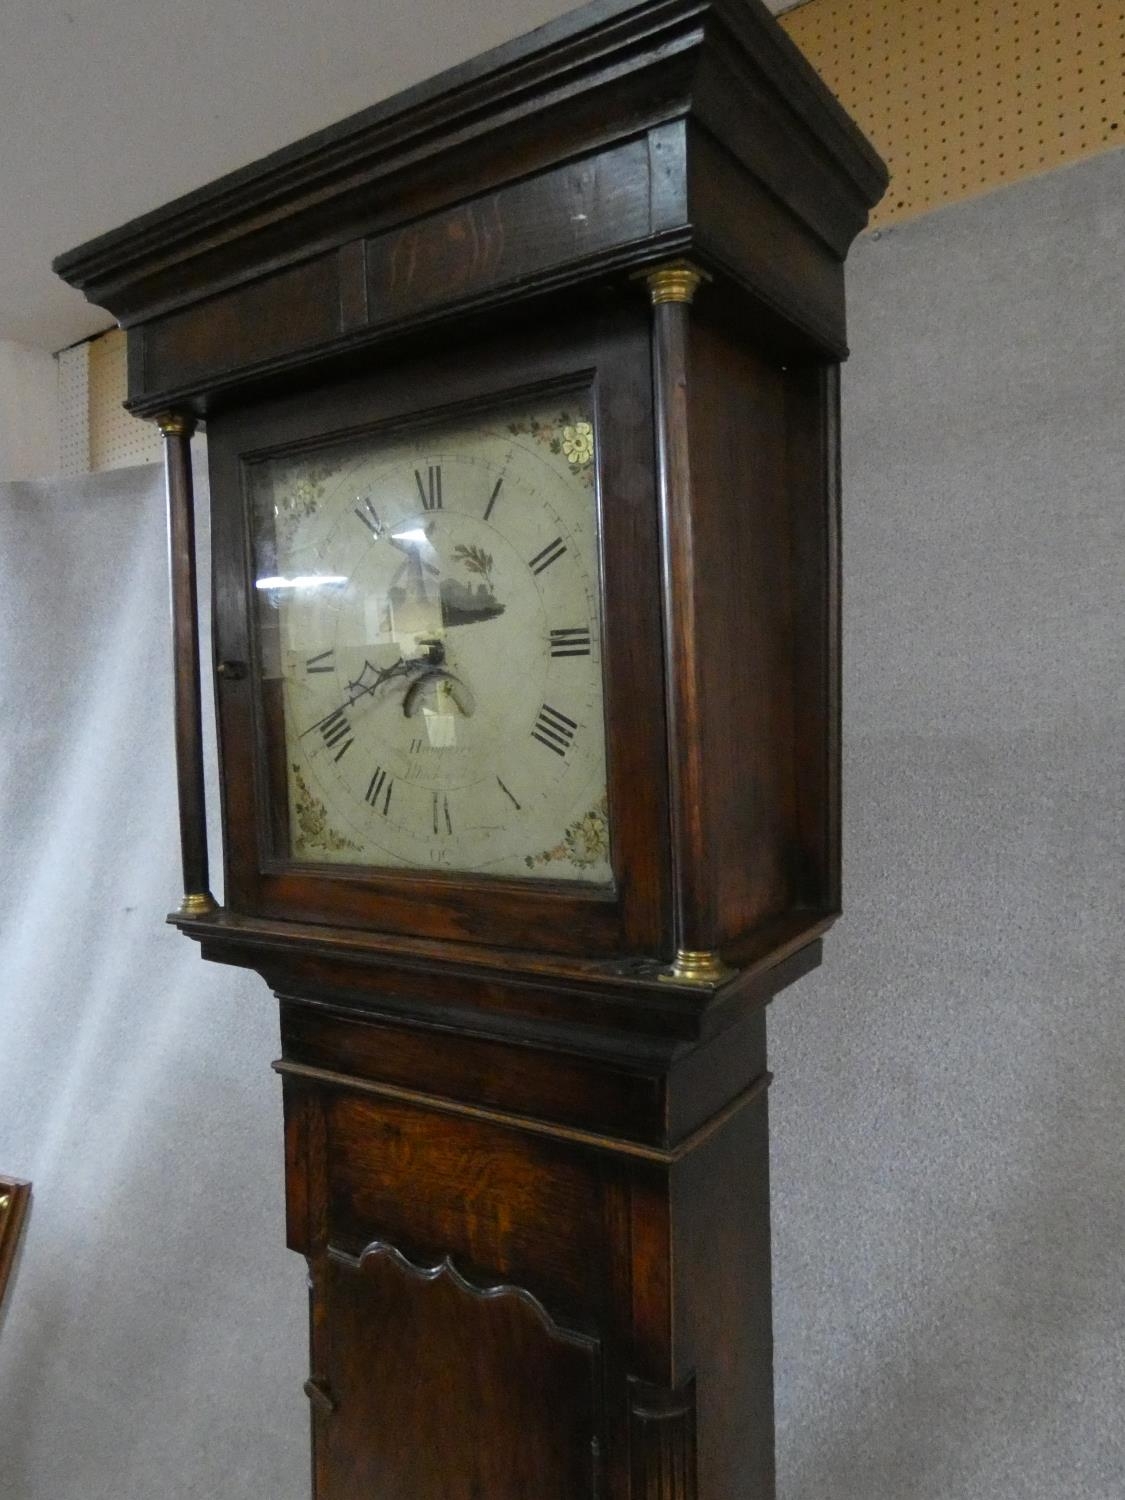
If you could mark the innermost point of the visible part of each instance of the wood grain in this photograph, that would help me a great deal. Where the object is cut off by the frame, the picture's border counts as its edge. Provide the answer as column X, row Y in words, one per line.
column 437, row 1389
column 663, row 1440
column 468, row 190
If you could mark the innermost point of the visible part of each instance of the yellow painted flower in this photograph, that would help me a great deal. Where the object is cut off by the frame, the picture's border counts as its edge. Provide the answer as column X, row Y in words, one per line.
column 587, row 840
column 578, row 443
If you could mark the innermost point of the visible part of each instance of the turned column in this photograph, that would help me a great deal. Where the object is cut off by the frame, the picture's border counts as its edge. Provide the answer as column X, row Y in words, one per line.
column 178, row 430
column 672, row 289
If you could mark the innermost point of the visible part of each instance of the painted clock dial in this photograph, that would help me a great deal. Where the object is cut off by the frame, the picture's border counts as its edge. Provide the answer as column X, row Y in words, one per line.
column 429, row 635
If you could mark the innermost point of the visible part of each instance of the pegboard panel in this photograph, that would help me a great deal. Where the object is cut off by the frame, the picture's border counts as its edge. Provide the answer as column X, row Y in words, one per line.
column 961, row 96
column 117, row 440
column 74, row 411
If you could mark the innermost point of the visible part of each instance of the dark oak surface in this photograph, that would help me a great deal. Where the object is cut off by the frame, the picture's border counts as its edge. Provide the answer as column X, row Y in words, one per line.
column 527, row 1156
column 188, row 702
column 489, row 1396
column 628, row 131
column 609, row 355
column 642, row 1285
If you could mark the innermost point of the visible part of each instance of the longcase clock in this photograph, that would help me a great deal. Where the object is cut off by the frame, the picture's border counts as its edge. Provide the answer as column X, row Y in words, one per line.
column 521, row 404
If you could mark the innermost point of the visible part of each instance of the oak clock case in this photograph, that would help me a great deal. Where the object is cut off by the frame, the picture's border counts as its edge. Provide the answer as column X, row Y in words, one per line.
column 522, row 405
column 438, row 596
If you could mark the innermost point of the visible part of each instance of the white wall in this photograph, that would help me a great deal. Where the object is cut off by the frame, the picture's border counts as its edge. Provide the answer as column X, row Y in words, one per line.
column 29, row 412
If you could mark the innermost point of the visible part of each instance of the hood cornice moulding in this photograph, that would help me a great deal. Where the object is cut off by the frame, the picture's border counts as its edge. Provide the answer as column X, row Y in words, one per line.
column 609, row 71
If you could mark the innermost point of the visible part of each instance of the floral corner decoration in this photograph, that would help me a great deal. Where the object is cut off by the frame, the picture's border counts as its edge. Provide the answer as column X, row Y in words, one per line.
column 312, row 820
column 578, row 444
column 563, row 435
column 295, row 494
column 585, row 842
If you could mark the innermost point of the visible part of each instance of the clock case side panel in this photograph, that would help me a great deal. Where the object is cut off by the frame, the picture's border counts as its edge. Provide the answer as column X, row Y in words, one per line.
column 610, row 353
column 762, row 441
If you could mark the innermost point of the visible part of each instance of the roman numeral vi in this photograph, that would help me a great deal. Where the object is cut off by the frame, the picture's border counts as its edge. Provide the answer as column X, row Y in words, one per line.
column 442, row 820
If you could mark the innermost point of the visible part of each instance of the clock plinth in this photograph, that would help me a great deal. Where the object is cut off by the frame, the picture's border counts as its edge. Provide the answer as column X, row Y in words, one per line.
column 522, row 407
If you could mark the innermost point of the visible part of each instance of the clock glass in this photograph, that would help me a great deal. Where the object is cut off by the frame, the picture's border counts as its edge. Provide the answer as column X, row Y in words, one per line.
column 429, row 645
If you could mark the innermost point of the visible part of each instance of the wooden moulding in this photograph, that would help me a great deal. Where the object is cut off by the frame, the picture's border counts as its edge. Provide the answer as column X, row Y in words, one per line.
column 15, row 1195
column 618, row 135
column 614, row 1146
column 530, row 992
column 663, row 1442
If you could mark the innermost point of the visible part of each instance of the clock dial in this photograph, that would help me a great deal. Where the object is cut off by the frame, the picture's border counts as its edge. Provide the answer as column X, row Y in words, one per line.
column 430, row 643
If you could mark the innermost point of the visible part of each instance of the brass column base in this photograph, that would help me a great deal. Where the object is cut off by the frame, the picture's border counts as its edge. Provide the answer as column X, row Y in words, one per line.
column 197, row 904
column 702, row 968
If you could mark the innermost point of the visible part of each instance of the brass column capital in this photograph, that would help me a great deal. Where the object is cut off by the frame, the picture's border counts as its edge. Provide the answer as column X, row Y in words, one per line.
column 175, row 423
column 676, row 282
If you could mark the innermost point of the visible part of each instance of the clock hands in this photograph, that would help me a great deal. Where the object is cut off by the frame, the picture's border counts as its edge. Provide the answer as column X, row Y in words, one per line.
column 427, row 671
column 361, row 689
column 457, row 603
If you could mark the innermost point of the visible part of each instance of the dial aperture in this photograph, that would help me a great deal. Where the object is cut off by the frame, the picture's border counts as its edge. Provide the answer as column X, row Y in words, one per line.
column 441, row 702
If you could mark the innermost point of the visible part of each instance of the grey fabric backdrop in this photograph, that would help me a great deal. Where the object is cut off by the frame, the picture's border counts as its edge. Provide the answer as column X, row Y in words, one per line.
column 153, row 1347
column 948, row 1115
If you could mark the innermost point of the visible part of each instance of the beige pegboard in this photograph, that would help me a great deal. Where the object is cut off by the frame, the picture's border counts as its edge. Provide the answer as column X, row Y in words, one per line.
column 74, row 410
column 961, row 96
column 117, row 440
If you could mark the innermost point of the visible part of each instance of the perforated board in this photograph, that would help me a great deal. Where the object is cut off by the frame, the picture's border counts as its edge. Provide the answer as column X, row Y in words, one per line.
column 116, row 438
column 74, row 410
column 961, row 96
